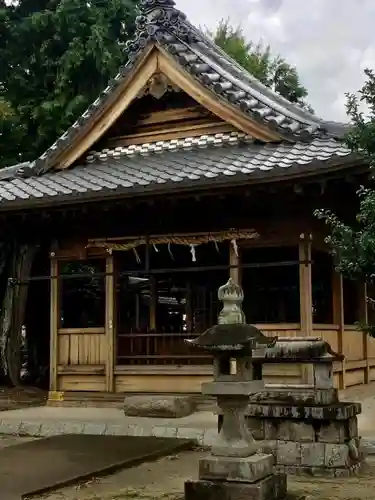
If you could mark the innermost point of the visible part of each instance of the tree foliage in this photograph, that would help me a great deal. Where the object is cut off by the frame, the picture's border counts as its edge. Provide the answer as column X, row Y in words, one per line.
column 55, row 58
column 353, row 244
column 273, row 71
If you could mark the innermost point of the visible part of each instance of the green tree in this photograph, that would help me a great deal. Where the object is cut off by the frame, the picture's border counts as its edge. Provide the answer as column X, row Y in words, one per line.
column 55, row 58
column 353, row 242
column 11, row 132
column 271, row 70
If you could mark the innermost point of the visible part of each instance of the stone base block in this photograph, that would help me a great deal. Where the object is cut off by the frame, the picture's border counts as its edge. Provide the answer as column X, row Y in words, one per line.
column 159, row 406
column 250, row 469
column 339, row 411
column 273, row 487
column 289, row 429
column 320, row 471
column 296, row 396
column 314, row 455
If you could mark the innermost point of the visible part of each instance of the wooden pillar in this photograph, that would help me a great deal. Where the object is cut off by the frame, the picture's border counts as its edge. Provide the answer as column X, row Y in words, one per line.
column 54, row 323
column 153, row 302
column 338, row 319
column 363, row 318
column 189, row 307
column 305, row 295
column 110, row 315
column 305, row 286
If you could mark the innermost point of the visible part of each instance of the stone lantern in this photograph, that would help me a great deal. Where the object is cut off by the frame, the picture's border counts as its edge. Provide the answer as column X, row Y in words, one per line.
column 234, row 470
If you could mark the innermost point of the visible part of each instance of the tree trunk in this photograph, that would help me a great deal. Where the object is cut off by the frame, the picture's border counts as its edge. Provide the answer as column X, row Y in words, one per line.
column 13, row 310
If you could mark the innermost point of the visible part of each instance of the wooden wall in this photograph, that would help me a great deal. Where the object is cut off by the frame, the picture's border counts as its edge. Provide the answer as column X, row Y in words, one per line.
column 79, row 357
column 84, row 360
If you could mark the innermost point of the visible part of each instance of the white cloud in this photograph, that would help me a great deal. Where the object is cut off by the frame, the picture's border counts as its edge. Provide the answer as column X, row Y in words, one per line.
column 329, row 41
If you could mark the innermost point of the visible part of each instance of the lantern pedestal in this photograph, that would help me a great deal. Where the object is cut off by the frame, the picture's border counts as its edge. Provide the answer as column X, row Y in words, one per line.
column 234, row 470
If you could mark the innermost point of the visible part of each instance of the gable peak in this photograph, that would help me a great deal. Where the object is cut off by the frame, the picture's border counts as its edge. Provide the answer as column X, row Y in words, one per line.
column 159, row 21
column 147, row 5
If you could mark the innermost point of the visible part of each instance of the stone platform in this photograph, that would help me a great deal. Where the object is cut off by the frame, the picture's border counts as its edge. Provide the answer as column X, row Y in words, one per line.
column 272, row 487
column 312, row 439
column 45, row 421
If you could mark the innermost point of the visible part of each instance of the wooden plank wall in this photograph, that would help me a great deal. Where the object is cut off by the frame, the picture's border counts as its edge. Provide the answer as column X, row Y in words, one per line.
column 81, row 359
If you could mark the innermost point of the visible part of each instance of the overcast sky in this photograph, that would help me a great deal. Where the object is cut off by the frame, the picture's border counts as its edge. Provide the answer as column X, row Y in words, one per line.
column 330, row 42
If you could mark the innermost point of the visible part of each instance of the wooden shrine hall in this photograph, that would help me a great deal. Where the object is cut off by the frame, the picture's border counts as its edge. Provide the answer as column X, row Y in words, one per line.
column 184, row 171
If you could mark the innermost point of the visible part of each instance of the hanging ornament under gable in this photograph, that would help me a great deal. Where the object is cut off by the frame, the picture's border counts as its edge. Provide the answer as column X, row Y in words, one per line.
column 137, row 257
column 170, row 251
column 217, row 246
column 193, row 253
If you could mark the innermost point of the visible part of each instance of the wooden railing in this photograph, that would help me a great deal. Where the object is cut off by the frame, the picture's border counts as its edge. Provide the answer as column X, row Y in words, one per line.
column 158, row 349
column 142, row 349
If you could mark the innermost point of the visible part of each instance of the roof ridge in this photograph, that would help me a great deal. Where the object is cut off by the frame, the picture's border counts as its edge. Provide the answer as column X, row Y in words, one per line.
column 185, row 143
column 160, row 22
column 160, row 16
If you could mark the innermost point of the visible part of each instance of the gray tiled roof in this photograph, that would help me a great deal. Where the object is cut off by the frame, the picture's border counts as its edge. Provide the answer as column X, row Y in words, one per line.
column 160, row 22
column 223, row 158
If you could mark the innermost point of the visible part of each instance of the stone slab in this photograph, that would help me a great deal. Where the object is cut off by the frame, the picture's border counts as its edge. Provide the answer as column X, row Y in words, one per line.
column 35, row 467
column 237, row 388
column 271, row 488
column 339, row 431
column 341, row 411
column 159, row 406
column 311, row 455
column 298, row 470
column 296, row 396
column 249, row 469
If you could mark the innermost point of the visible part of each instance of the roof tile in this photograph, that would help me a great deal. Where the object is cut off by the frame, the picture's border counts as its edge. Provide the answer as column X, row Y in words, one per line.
column 206, row 161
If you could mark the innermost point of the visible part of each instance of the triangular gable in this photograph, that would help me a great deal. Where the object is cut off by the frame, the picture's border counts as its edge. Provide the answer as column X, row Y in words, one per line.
column 167, row 44
column 155, row 63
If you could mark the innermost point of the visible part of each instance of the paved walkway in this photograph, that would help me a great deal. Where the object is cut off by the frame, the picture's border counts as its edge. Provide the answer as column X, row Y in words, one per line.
column 33, row 467
column 51, row 421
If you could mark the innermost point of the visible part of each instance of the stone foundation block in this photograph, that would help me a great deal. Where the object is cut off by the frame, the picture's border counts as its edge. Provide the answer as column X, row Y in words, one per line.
column 271, row 429
column 249, row 469
column 288, row 453
column 296, row 396
column 339, row 431
column 256, row 426
column 159, row 406
column 296, row 470
column 332, row 432
column 270, row 488
column 337, row 455
column 352, row 428
column 339, row 411
column 312, row 454
column 298, row 431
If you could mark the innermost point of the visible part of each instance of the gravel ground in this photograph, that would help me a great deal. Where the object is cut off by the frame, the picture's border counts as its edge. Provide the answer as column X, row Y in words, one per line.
column 164, row 480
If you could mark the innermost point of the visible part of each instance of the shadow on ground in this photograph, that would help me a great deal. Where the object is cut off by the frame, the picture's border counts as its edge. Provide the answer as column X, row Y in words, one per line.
column 38, row 466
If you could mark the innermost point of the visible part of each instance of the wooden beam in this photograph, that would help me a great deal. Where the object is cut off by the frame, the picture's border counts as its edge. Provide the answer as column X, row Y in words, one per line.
column 110, row 316
column 117, row 103
column 54, row 323
column 227, row 112
column 338, row 319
